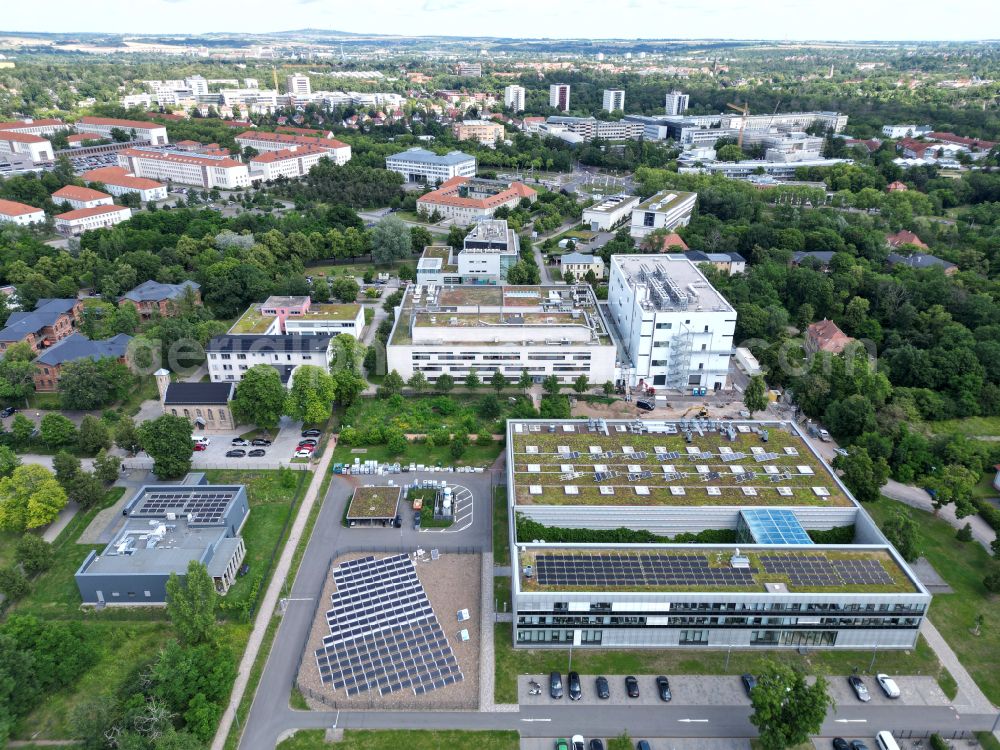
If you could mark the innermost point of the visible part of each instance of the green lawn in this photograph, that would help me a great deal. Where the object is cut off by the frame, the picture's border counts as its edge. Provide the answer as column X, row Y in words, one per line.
column 971, row 426
column 510, row 662
column 985, row 489
column 146, row 390
column 963, row 566
column 501, row 592
column 8, row 541
column 501, row 538
column 422, row 414
column 420, row 453
column 427, row 519
column 358, row 269
column 368, row 739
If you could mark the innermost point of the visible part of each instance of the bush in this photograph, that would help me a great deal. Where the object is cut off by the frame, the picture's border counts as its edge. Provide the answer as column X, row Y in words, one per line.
column 34, row 554
column 938, row 743
column 989, row 514
column 439, row 437
column 484, row 439
column 992, row 581
column 13, row 583
column 964, row 534
column 458, row 445
column 836, row 535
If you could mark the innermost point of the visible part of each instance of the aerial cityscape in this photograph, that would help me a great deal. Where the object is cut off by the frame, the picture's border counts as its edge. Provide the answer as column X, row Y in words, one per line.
column 551, row 376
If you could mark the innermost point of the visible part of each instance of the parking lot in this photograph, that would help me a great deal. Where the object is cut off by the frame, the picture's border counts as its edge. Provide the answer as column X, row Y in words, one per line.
column 280, row 451
column 655, row 743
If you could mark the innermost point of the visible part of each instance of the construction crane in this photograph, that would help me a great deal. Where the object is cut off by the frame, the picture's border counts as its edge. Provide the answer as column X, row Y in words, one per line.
column 743, row 109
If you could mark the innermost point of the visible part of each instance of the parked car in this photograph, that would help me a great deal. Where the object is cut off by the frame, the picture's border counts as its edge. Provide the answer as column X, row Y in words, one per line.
column 263, row 442
column 239, row 441
column 839, row 743
column 237, row 453
column 645, row 404
column 749, row 682
column 859, row 687
column 642, row 745
column 824, row 436
column 858, row 745
column 201, row 440
column 302, row 453
column 575, row 690
column 308, row 448
column 416, row 520
column 397, row 522
column 200, row 446
column 555, row 686
column 596, row 744
column 888, row 685
column 632, row 687
column 602, row 688
column 310, row 441
column 314, row 433
column 256, row 453
column 8, row 411
column 578, row 742
column 562, row 744
column 663, row 688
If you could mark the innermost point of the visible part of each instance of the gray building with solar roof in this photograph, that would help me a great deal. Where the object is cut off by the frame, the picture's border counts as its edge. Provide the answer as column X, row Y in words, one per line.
column 775, row 551
column 166, row 527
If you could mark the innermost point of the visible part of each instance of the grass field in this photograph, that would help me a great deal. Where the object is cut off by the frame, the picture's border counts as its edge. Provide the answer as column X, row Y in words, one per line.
column 971, row 426
column 501, row 592
column 422, row 414
column 501, row 538
column 419, row 453
column 367, row 739
column 963, row 566
column 510, row 662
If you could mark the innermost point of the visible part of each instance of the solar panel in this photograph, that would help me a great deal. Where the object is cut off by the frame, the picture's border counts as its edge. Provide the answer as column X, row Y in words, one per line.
column 635, row 570
column 816, row 570
column 206, row 505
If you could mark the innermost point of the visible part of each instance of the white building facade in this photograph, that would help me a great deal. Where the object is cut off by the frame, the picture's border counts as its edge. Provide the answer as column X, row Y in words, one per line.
column 141, row 130
column 185, row 167
column 420, row 165
column 613, row 100
column 339, row 153
column 35, row 147
column 82, row 220
column 559, row 96
column 666, row 210
column 676, row 103
column 12, row 212
column 609, row 213
column 230, row 356
column 513, row 98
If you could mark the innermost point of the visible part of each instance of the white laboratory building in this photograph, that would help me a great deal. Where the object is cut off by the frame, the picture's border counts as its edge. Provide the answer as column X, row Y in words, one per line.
column 420, row 165
column 667, row 210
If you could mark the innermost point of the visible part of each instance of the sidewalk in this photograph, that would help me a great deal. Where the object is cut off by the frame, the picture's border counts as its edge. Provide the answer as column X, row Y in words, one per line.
column 915, row 497
column 270, row 600
column 62, row 521
column 969, row 696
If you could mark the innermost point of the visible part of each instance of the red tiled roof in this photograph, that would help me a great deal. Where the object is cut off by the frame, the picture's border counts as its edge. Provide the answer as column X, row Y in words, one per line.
column 302, row 140
column 199, row 159
column 14, row 124
column 13, row 208
column 288, row 153
column 448, row 195
column 312, row 132
column 116, row 123
column 827, row 336
column 76, row 193
column 9, row 135
column 904, row 237
column 672, row 240
column 238, row 124
column 963, row 141
column 121, row 177
column 83, row 213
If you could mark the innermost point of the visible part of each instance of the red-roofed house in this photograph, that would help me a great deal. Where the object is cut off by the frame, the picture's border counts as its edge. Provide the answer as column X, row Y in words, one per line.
column 904, row 237
column 467, row 200
column 118, row 181
column 80, row 220
column 81, row 197
column 12, row 212
column 35, row 147
column 338, row 152
column 897, row 187
column 33, row 127
column 292, row 162
column 186, row 168
column 140, row 129
column 826, row 336
column 958, row 140
column 668, row 242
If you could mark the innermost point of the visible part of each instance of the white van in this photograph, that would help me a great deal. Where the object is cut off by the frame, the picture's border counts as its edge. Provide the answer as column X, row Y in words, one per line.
column 885, row 741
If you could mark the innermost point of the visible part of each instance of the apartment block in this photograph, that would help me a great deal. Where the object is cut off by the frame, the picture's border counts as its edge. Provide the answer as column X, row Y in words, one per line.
column 136, row 129
column 298, row 84
column 80, row 220
column 513, row 98
column 231, row 355
column 559, row 96
column 676, row 103
column 589, row 128
column 81, row 197
column 613, row 100
column 185, row 168
column 339, row 153
column 486, row 132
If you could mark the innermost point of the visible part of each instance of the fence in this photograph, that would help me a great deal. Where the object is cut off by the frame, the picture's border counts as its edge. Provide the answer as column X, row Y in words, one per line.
column 146, row 464
column 361, row 704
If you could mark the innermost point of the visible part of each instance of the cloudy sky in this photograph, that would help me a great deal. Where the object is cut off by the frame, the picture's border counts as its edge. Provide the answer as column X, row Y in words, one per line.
column 739, row 19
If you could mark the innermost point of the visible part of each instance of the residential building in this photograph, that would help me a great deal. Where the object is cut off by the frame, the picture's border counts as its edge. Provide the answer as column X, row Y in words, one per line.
column 470, row 70
column 138, row 129
column 12, row 212
column 118, row 182
column 76, row 222
column 546, row 330
column 29, row 126
column 300, row 316
column 153, row 298
column 610, row 213
column 339, row 153
column 467, row 200
column 761, row 481
column 676, row 103
column 75, row 347
column 665, row 210
column 896, row 187
column 513, row 98
column 559, row 96
column 420, row 165
column 920, row 261
column 675, row 329
column 52, row 320
column 613, row 100
column 205, row 405
column 664, row 243
column 230, row 356
column 298, row 85
column 821, row 258
column 905, row 131
column 185, row 168
column 825, row 336
column 579, row 264
column 33, row 147
column 904, row 237
column 484, row 131
column 166, row 527
column 290, row 163
column 81, row 197
column 589, row 128
column 727, row 263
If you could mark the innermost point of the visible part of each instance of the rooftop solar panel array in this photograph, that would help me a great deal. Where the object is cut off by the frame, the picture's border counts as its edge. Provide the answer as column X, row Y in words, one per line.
column 615, row 570
column 816, row 570
column 384, row 635
column 207, row 504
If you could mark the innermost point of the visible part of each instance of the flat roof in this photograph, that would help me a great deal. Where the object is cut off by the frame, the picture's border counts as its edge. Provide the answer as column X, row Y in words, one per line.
column 613, row 203
column 688, row 568
column 374, row 502
column 252, row 321
column 697, row 293
column 613, row 463
column 665, row 200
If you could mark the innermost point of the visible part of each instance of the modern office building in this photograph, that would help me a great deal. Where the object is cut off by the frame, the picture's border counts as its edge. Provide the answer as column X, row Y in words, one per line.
column 420, row 165
column 76, row 222
column 338, row 152
column 665, row 210
column 761, row 484
column 546, row 330
column 792, row 147
column 12, row 212
column 559, row 96
column 168, row 526
column 784, row 120
column 185, row 168
column 613, row 100
column 589, row 128
column 467, row 200
column 609, row 213
column 675, row 329
column 513, row 98
column 290, row 163
column 298, row 85
column 136, row 129
column 676, row 103
column 300, row 316
column 750, row 169
column 81, row 197
column 231, row 355
column 486, row 132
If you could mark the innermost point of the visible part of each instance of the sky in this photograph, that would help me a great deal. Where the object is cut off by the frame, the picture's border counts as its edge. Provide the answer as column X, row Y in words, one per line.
column 628, row 19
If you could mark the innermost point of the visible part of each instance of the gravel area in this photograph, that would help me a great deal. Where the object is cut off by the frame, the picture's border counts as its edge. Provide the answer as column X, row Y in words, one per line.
column 452, row 582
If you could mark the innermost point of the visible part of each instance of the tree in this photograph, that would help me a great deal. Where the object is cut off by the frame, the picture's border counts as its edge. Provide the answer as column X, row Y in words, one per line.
column 391, row 241
column 964, row 534
column 17, row 373
column 21, row 429
column 191, row 602
column 34, row 554
column 347, row 386
column 472, row 381
column 608, row 387
column 953, row 483
column 444, row 383
column 419, row 239
column 498, row 381
column 902, row 532
column 551, row 385
column 310, row 399
column 995, row 548
column 417, row 382
column 786, row 708
column 345, row 289
column 729, row 152
column 30, row 498
column 489, row 408
column 863, row 475
column 57, row 431
column 86, row 384
column 94, row 435
column 67, row 467
column 321, row 290
column 259, row 398
column 168, row 440
column 127, row 436
column 106, row 467
column 459, row 443
column 581, row 384
column 13, row 584
column 525, row 381
column 8, row 461
column 992, row 581
column 755, row 395
column 395, row 441
column 392, row 384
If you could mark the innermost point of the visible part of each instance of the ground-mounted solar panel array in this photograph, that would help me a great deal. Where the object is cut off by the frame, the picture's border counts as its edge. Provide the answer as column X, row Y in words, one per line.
column 384, row 635
column 817, row 570
column 207, row 505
